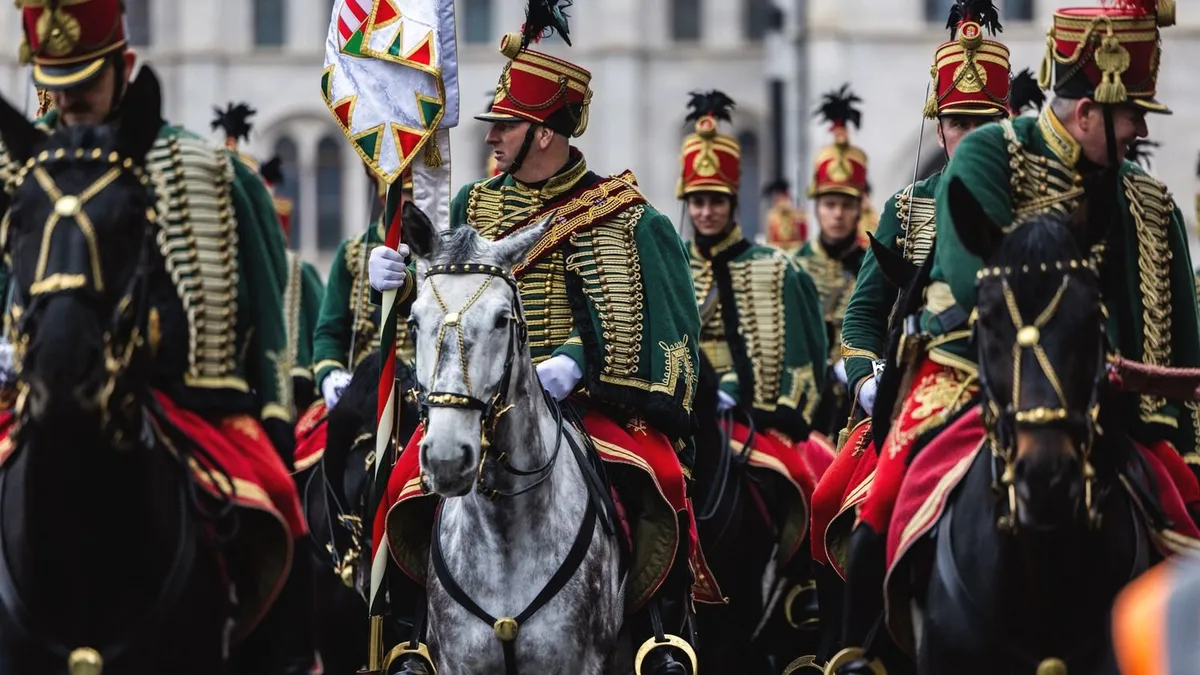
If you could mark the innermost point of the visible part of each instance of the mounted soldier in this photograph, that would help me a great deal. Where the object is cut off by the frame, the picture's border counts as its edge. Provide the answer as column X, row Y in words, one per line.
column 1103, row 62
column 833, row 260
column 787, row 225
column 302, row 296
column 215, row 278
column 613, row 331
column 957, row 104
column 761, row 331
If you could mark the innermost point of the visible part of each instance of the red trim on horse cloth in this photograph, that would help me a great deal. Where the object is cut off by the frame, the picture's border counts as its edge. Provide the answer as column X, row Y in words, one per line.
column 243, row 449
column 838, row 531
column 827, row 496
column 938, row 393
column 636, row 445
column 311, row 433
column 776, row 453
column 818, row 451
column 1181, row 474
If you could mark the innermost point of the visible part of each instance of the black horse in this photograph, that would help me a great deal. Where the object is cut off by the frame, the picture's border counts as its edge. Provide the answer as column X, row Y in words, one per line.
column 1043, row 530
column 338, row 504
column 108, row 547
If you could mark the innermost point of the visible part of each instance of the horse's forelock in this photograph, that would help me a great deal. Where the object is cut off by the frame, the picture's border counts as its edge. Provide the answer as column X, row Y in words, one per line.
column 1043, row 240
column 457, row 246
column 85, row 137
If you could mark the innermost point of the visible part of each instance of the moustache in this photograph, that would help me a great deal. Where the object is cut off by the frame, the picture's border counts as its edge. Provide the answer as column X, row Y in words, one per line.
column 78, row 108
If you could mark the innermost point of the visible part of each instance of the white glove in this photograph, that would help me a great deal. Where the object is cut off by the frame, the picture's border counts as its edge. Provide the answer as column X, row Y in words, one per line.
column 559, row 375
column 386, row 268
column 839, row 371
column 333, row 386
column 724, row 401
column 8, row 363
column 866, row 394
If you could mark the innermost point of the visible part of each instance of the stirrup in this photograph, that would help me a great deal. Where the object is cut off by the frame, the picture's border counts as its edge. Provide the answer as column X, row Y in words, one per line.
column 804, row 664
column 401, row 650
column 850, row 655
column 667, row 641
column 805, row 623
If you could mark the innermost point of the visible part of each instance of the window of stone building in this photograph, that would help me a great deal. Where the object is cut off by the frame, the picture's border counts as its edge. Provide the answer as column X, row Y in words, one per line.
column 289, row 162
column 685, row 20
column 756, row 18
column 477, row 21
column 1016, row 10
column 937, row 10
column 750, row 188
column 270, row 22
column 329, row 192
column 137, row 17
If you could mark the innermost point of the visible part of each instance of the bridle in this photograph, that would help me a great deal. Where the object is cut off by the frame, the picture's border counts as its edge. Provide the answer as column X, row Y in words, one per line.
column 498, row 406
column 1002, row 424
column 125, row 327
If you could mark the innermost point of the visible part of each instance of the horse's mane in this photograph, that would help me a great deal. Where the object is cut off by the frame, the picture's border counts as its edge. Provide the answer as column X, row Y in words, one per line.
column 458, row 245
column 1042, row 240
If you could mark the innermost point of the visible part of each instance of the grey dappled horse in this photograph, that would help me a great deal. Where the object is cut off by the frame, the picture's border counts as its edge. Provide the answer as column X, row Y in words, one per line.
column 517, row 535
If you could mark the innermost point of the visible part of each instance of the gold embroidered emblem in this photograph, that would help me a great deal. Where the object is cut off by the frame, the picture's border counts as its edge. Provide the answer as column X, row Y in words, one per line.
column 246, row 426
column 637, row 425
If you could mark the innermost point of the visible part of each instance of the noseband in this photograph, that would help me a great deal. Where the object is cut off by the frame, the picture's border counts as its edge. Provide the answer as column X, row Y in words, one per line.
column 123, row 331
column 1002, row 424
column 495, row 408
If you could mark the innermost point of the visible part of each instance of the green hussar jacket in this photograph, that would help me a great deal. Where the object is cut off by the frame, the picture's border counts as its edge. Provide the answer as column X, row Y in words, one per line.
column 762, row 330
column 302, row 305
column 216, row 329
column 1028, row 166
column 906, row 226
column 349, row 315
column 834, row 279
column 608, row 285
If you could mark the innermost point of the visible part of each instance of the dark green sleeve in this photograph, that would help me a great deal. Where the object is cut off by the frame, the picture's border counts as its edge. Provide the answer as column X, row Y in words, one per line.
column 813, row 327
column 804, row 370
column 864, row 328
column 263, row 261
column 981, row 163
column 331, row 336
column 312, row 290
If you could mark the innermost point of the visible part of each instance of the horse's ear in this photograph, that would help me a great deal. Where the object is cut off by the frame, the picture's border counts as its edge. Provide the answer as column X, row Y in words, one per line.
column 141, row 115
column 418, row 232
column 511, row 251
column 19, row 135
column 978, row 234
column 896, row 269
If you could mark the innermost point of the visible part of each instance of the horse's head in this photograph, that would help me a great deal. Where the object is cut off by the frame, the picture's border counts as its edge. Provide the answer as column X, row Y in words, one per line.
column 79, row 232
column 470, row 336
column 1041, row 347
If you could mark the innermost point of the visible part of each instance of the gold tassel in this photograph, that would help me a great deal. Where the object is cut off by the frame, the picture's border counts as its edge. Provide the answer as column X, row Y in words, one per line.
column 1113, row 60
column 433, row 155
column 931, row 103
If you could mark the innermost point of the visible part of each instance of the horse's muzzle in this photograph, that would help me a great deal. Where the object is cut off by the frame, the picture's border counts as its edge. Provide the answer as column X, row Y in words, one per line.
column 1050, row 489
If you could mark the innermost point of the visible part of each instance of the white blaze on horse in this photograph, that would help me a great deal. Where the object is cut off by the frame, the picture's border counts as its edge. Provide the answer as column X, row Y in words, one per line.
column 525, row 578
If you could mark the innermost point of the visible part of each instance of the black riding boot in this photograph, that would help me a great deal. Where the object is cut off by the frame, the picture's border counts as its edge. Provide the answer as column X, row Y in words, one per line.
column 801, row 600
column 663, row 629
column 831, row 596
column 865, row 573
column 408, row 656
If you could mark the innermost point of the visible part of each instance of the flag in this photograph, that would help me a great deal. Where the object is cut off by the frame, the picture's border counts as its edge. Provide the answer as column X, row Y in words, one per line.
column 391, row 83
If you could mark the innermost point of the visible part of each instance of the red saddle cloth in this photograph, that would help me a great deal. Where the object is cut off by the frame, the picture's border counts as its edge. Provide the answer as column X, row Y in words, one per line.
column 841, row 488
column 635, row 452
column 798, row 464
column 941, row 465
column 311, row 433
column 250, row 473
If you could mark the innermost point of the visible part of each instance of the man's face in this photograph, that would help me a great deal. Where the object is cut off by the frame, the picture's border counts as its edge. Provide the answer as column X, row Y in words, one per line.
column 710, row 212
column 506, row 139
column 838, row 215
column 1129, row 124
column 90, row 102
column 952, row 128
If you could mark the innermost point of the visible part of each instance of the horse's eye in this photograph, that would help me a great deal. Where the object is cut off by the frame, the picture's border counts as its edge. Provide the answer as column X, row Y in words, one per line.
column 502, row 321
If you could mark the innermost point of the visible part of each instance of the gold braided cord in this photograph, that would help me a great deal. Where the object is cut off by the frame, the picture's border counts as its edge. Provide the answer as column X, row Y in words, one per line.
column 1150, row 207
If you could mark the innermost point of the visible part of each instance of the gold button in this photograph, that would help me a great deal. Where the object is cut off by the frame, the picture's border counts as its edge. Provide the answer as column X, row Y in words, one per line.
column 67, row 206
column 505, row 629
column 1028, row 336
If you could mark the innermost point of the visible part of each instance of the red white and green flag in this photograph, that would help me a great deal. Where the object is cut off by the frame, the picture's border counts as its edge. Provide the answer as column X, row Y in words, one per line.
column 391, row 82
